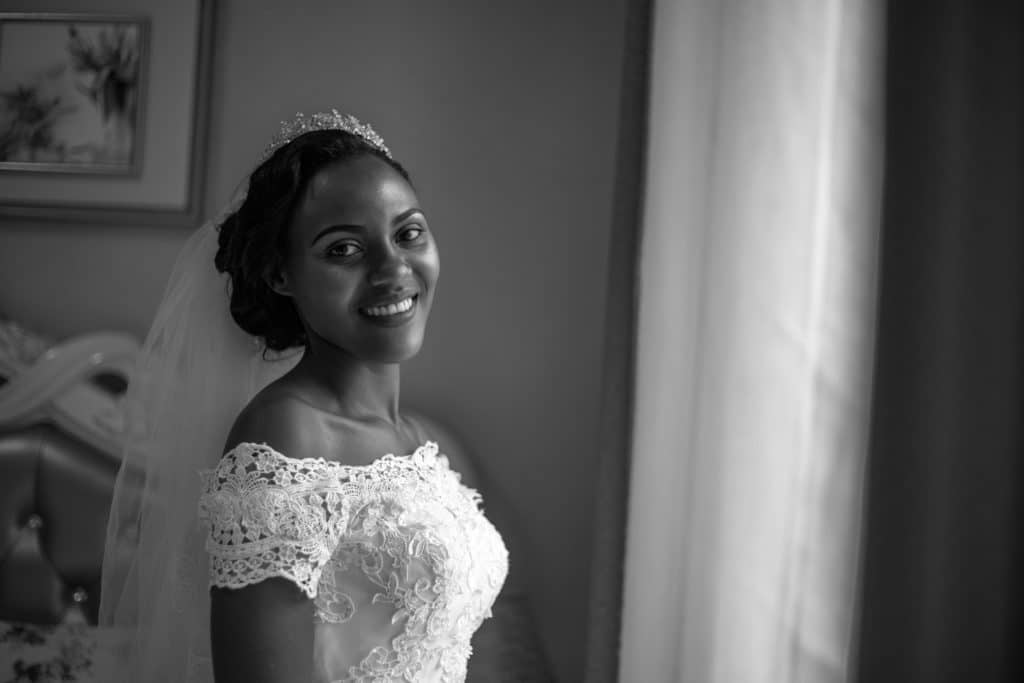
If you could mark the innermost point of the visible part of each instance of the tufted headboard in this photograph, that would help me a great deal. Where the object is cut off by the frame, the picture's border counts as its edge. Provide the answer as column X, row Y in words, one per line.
column 59, row 414
column 55, row 492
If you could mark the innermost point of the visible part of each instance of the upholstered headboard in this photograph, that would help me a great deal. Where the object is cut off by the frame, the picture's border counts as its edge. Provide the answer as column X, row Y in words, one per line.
column 59, row 413
column 55, row 492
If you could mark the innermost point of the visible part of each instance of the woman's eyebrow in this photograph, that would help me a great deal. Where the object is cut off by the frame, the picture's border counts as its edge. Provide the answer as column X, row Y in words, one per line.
column 406, row 214
column 346, row 227
column 337, row 228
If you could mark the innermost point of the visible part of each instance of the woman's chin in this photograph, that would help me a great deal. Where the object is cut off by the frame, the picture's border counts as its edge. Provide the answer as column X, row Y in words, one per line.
column 394, row 352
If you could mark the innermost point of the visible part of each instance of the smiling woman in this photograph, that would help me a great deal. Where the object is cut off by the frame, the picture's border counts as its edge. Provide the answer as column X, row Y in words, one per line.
column 340, row 542
column 300, row 207
column 363, row 283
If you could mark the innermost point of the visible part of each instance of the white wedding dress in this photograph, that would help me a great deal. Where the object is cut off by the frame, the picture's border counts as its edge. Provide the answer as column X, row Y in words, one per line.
column 397, row 556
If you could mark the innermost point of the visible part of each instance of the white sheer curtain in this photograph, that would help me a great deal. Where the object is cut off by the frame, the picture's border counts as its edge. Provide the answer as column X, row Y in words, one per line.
column 754, row 347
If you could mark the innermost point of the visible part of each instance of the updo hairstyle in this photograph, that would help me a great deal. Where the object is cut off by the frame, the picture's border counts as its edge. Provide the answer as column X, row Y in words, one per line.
column 253, row 241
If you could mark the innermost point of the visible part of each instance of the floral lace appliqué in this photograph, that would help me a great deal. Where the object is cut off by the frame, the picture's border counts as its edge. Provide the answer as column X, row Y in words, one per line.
column 401, row 533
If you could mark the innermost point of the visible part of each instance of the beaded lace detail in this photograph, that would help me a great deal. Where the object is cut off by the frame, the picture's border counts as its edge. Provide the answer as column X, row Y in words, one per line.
column 401, row 534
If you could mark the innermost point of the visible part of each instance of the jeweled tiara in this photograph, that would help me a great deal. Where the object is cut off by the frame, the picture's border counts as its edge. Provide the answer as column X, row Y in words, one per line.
column 325, row 120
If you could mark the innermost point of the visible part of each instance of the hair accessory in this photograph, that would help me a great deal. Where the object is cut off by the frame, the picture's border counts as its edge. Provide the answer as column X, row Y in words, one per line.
column 325, row 120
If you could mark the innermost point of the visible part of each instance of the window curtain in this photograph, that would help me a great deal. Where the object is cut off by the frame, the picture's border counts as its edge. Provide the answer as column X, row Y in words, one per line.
column 754, row 340
column 943, row 569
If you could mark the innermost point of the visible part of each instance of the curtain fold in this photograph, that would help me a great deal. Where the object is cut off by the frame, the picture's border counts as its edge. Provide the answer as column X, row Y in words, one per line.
column 943, row 596
column 612, row 480
column 754, row 341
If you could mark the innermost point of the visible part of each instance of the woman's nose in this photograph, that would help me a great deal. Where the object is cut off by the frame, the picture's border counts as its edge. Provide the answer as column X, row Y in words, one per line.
column 390, row 268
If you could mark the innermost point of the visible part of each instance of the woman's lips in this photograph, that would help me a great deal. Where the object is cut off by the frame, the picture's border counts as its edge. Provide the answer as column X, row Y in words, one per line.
column 394, row 313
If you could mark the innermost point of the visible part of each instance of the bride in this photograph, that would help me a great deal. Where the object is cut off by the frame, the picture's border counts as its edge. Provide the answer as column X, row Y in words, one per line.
column 276, row 517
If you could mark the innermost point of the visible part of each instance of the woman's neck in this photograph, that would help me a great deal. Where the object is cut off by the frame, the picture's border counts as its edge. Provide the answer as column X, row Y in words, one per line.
column 355, row 388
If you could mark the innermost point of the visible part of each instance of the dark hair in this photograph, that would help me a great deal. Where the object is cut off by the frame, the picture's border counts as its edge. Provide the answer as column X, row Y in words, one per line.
column 253, row 244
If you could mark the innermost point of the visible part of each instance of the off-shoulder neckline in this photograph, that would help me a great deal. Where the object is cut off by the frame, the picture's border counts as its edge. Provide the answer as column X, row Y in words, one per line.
column 428, row 448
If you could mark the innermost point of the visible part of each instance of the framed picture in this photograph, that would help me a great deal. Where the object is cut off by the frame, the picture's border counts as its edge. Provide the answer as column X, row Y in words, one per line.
column 103, row 114
column 70, row 92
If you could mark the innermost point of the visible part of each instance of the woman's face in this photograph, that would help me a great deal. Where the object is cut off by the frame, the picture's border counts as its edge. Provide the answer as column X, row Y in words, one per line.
column 362, row 264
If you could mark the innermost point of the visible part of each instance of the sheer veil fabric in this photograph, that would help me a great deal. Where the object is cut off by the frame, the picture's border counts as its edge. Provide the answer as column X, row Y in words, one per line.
column 196, row 371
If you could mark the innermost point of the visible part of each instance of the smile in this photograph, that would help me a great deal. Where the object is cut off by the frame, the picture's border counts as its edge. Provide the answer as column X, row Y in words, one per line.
column 389, row 310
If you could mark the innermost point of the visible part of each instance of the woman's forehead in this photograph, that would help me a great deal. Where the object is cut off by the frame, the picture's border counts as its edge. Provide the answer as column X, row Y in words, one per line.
column 354, row 190
column 364, row 182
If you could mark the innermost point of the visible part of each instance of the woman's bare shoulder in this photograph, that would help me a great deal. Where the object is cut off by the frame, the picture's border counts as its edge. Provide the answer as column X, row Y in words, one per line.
column 282, row 420
column 288, row 419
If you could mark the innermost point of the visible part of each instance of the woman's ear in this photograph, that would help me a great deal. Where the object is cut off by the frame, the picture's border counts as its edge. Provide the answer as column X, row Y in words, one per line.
column 278, row 281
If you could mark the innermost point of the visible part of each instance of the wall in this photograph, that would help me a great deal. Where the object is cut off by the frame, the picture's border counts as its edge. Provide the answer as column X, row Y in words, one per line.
column 506, row 115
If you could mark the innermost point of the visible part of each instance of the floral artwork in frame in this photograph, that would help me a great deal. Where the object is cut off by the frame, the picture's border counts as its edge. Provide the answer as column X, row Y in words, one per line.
column 104, row 112
column 72, row 92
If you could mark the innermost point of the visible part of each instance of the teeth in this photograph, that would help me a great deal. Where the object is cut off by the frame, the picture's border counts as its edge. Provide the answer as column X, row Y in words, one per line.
column 390, row 309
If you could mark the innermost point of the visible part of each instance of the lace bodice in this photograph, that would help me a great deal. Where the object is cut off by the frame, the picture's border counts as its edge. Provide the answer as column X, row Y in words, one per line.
column 397, row 555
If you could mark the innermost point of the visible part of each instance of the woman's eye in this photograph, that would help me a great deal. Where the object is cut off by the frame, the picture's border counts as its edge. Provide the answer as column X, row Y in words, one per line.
column 410, row 234
column 343, row 249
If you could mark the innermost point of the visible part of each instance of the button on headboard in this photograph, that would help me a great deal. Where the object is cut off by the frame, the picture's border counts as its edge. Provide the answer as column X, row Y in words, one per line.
column 55, row 494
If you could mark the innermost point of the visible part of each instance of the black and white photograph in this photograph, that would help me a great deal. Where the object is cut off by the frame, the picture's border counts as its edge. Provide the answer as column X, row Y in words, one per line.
column 511, row 341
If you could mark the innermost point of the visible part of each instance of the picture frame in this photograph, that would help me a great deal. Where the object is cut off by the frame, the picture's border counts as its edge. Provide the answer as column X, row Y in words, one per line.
column 104, row 114
column 72, row 88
